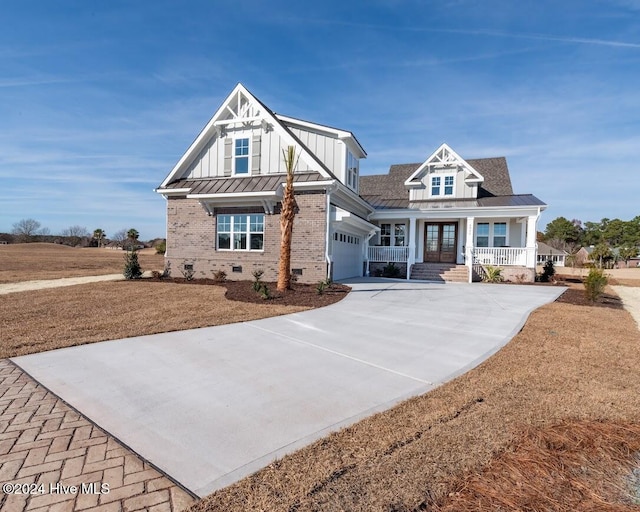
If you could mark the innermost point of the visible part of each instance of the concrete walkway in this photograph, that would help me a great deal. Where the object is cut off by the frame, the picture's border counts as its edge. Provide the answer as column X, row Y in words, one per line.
column 209, row 406
column 41, row 284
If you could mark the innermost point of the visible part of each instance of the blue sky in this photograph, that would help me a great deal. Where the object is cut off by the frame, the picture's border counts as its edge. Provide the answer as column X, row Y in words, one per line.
column 99, row 99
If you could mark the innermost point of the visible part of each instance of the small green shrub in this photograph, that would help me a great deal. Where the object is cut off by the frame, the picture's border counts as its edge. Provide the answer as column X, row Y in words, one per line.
column 548, row 271
column 320, row 287
column 132, row 269
column 390, row 270
column 265, row 293
column 161, row 247
column 257, row 283
column 492, row 274
column 594, row 283
column 219, row 276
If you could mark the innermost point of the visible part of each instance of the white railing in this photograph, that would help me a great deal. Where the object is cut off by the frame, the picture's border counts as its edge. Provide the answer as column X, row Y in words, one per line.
column 503, row 256
column 389, row 254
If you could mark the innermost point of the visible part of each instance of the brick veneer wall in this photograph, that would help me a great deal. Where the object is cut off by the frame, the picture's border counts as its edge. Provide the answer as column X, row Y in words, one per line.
column 191, row 239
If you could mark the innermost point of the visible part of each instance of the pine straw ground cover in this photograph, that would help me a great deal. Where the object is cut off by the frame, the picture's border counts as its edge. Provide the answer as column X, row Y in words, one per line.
column 548, row 423
column 28, row 262
column 41, row 320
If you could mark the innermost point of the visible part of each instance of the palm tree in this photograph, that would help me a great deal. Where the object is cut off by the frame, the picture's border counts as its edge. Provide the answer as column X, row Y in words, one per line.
column 132, row 237
column 287, row 215
column 99, row 234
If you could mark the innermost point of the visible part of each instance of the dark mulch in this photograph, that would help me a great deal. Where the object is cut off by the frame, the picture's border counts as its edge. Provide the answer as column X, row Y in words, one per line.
column 575, row 294
column 305, row 295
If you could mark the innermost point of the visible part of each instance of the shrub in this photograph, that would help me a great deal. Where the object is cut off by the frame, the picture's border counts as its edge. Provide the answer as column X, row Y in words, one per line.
column 257, row 283
column 219, row 276
column 594, row 283
column 132, row 268
column 320, row 287
column 167, row 270
column 156, row 274
column 390, row 270
column 161, row 247
column 548, row 271
column 188, row 271
column 492, row 274
column 265, row 293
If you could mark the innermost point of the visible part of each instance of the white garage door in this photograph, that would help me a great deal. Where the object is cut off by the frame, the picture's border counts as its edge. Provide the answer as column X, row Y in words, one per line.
column 347, row 255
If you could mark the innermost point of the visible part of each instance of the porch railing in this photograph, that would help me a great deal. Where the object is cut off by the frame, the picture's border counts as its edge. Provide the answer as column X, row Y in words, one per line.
column 503, row 256
column 389, row 254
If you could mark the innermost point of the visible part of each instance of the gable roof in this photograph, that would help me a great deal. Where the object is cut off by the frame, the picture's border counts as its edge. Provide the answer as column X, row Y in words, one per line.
column 548, row 250
column 444, row 156
column 382, row 190
column 241, row 106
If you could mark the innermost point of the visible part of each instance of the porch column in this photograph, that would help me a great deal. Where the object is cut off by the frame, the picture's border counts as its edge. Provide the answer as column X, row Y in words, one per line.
column 468, row 253
column 412, row 245
column 532, row 222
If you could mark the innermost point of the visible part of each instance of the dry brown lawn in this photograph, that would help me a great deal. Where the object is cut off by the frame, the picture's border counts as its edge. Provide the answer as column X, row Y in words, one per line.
column 571, row 364
column 28, row 262
column 61, row 317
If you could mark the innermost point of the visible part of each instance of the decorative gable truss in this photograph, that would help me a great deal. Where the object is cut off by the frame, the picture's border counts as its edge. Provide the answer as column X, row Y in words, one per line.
column 446, row 162
column 241, row 128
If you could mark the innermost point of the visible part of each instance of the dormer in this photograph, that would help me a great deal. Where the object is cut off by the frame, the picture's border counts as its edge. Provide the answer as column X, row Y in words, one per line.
column 444, row 175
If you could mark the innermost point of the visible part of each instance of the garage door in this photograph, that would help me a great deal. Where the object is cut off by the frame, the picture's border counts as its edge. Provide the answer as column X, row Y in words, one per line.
column 347, row 255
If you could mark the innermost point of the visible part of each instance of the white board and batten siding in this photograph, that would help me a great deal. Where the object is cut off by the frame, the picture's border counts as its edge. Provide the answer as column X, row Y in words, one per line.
column 265, row 150
column 462, row 190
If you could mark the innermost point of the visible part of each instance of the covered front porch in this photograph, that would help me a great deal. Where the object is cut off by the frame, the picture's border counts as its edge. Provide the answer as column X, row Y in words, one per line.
column 422, row 240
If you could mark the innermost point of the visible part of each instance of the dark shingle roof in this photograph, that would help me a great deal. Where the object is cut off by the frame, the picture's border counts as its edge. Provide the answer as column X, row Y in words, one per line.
column 244, row 184
column 382, row 190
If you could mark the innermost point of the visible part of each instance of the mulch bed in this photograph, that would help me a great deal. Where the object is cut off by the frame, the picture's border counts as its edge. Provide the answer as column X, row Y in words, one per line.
column 304, row 295
column 575, row 294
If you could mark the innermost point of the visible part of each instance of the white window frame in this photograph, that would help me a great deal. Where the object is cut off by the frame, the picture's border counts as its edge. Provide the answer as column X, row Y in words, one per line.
column 441, row 192
column 352, row 165
column 232, row 231
column 247, row 156
column 392, row 234
column 491, row 235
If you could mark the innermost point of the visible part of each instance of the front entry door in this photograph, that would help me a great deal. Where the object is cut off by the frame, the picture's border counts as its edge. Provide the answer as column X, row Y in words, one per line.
column 440, row 242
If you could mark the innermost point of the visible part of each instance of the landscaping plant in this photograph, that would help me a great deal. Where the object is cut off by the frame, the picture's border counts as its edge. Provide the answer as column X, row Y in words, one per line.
column 594, row 283
column 132, row 268
column 390, row 270
column 548, row 271
column 492, row 274
column 257, row 280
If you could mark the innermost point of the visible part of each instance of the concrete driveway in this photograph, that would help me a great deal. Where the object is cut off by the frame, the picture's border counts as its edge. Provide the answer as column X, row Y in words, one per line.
column 209, row 406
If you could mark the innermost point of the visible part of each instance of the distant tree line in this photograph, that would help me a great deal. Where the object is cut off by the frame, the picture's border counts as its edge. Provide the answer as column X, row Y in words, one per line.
column 31, row 230
column 608, row 240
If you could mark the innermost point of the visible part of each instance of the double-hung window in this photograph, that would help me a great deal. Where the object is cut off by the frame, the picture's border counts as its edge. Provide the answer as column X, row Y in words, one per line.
column 442, row 185
column 491, row 234
column 241, row 232
column 393, row 235
column 499, row 234
column 352, row 171
column 482, row 234
column 241, row 156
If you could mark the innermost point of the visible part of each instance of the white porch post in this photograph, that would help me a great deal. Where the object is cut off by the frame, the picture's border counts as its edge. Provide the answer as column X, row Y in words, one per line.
column 532, row 222
column 469, row 246
column 412, row 245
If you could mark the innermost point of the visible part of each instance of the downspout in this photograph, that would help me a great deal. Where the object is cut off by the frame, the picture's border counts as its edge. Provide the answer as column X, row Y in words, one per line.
column 327, row 233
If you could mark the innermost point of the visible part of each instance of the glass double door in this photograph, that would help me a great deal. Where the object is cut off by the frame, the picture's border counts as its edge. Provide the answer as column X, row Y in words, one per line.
column 440, row 242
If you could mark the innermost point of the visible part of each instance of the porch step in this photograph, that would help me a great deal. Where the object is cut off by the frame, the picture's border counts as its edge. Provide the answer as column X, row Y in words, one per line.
column 443, row 272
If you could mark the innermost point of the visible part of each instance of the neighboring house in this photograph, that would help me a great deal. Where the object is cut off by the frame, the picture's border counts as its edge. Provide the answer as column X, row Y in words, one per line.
column 223, row 200
column 583, row 256
column 548, row 253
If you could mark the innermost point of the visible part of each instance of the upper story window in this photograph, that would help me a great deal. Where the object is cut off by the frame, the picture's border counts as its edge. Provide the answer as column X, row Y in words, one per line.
column 352, row 171
column 442, row 186
column 241, row 232
column 241, row 156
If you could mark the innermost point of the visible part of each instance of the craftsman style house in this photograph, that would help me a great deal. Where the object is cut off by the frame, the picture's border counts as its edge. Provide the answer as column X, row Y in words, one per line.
column 443, row 218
